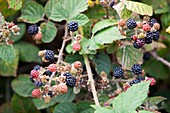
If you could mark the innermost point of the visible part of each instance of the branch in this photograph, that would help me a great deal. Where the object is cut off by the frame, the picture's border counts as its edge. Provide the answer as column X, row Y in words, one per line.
column 91, row 80
column 160, row 59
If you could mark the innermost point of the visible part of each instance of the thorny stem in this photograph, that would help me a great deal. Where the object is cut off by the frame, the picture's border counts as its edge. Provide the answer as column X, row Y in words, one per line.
column 160, row 59
column 91, row 80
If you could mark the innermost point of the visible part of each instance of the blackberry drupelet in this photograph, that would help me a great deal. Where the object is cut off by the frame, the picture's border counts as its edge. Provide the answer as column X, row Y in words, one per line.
column 70, row 81
column 33, row 29
column 131, row 23
column 152, row 21
column 73, row 26
column 149, row 38
column 155, row 35
column 140, row 42
column 67, row 74
column 118, row 72
column 49, row 55
column 136, row 69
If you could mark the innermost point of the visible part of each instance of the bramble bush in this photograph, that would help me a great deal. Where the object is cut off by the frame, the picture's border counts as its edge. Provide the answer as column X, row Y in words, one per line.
column 85, row 56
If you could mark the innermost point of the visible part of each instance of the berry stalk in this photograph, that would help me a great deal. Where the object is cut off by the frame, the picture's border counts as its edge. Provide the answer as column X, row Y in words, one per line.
column 91, row 80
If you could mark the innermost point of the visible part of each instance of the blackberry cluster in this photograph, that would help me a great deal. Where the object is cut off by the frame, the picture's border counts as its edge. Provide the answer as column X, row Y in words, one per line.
column 136, row 69
column 131, row 24
column 49, row 55
column 118, row 72
column 38, row 83
column 33, row 29
column 73, row 26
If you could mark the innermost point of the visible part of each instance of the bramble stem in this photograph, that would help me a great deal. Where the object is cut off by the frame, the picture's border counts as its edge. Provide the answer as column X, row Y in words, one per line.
column 91, row 80
column 160, row 59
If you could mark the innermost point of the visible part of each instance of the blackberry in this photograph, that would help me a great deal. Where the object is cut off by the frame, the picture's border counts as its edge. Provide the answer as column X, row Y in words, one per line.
column 155, row 35
column 67, row 74
column 37, row 67
column 50, row 94
column 149, row 38
column 70, row 81
column 47, row 73
column 152, row 21
column 49, row 55
column 135, row 81
column 131, row 23
column 135, row 45
column 32, row 80
column 146, row 56
column 141, row 78
column 38, row 83
column 136, row 69
column 112, row 3
column 73, row 26
column 118, row 72
column 33, row 29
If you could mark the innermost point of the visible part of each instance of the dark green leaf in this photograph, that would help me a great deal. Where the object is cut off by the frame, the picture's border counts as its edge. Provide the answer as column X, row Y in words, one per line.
column 128, row 55
column 84, row 107
column 23, row 105
column 65, row 108
column 102, row 63
column 103, row 109
column 73, row 58
column 7, row 53
column 32, row 12
column 154, row 100
column 49, row 32
column 111, row 48
column 6, row 108
column 25, row 82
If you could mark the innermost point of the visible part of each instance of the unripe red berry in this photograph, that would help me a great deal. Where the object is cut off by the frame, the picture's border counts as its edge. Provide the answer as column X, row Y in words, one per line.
column 122, row 22
column 153, row 81
column 34, row 74
column 146, row 27
column 38, row 36
column 36, row 93
column 77, row 64
column 76, row 46
column 52, row 67
column 134, row 37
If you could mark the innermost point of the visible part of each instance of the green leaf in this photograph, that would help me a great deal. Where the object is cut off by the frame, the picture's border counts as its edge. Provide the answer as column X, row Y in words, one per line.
column 25, row 82
column 9, row 69
column 68, row 97
column 2, row 21
column 14, row 4
column 65, row 108
column 92, row 45
column 27, row 52
column 16, row 38
column 85, row 47
column 143, row 111
column 156, row 69
column 139, row 8
column 82, row 19
column 69, row 48
column 125, row 14
column 102, row 63
column 107, row 36
column 128, row 55
column 49, row 32
column 103, row 24
column 128, row 101
column 7, row 53
column 32, row 12
column 67, row 9
column 6, row 108
column 102, row 109
column 111, row 48
column 84, row 107
column 161, row 10
column 73, row 58
column 154, row 100
column 23, row 105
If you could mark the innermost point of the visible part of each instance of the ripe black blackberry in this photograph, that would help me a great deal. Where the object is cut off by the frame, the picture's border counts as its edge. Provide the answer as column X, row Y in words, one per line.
column 146, row 56
column 131, row 23
column 38, row 83
column 140, row 42
column 70, row 81
column 33, row 29
column 50, row 94
column 67, row 74
column 135, row 45
column 47, row 73
column 152, row 21
column 37, row 67
column 155, row 35
column 141, row 78
column 149, row 38
column 73, row 26
column 135, row 81
column 49, row 55
column 118, row 72
column 32, row 80
column 112, row 3
column 136, row 69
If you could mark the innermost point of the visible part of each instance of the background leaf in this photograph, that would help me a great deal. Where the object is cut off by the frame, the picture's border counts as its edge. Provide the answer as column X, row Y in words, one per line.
column 151, row 101
column 32, row 12
column 65, row 107
column 15, row 4
column 131, row 56
column 84, row 107
column 73, row 58
column 49, row 32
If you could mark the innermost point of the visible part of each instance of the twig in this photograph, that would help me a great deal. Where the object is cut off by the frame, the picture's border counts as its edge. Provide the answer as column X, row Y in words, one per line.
column 123, row 57
column 91, row 80
column 160, row 59
column 107, row 13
